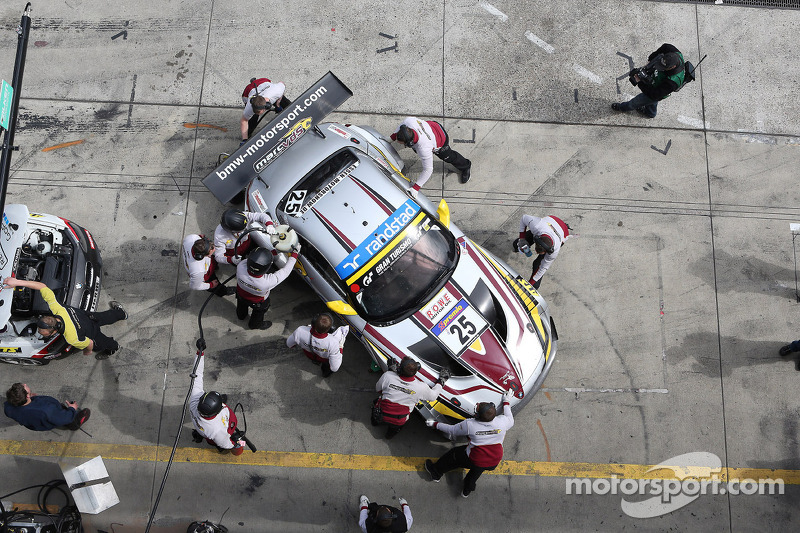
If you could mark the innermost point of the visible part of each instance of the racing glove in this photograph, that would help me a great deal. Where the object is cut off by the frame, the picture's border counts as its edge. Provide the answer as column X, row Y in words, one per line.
column 270, row 229
column 444, row 375
column 413, row 192
column 393, row 366
column 507, row 395
column 295, row 249
column 431, row 423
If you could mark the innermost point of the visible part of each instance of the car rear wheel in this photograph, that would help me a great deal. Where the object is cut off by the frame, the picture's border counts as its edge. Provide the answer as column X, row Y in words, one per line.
column 24, row 361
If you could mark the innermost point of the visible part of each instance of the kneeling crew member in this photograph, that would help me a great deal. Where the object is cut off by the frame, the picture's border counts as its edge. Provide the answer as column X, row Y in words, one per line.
column 320, row 344
column 199, row 262
column 253, row 284
column 401, row 391
column 81, row 329
column 547, row 235
column 376, row 518
column 231, row 225
column 484, row 452
column 211, row 417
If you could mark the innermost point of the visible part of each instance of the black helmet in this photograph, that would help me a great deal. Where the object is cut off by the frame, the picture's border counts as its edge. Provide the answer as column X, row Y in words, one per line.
column 409, row 367
column 405, row 135
column 233, row 220
column 210, row 404
column 259, row 261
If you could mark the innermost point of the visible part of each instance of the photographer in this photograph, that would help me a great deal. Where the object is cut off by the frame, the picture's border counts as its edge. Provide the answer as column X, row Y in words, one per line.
column 211, row 416
column 663, row 75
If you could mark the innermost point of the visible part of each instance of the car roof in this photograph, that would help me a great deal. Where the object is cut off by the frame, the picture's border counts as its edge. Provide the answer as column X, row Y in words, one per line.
column 349, row 207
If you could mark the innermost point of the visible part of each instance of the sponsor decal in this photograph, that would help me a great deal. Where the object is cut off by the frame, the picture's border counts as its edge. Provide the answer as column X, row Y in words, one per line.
column 262, row 205
column 402, row 389
column 488, row 432
column 10, row 349
column 443, row 301
column 338, row 131
column 6, row 228
column 389, row 258
column 289, row 139
column 450, row 317
column 327, row 188
column 378, row 238
column 3, row 258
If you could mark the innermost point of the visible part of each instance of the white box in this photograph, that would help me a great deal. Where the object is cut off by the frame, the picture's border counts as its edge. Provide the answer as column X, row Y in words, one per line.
column 90, row 486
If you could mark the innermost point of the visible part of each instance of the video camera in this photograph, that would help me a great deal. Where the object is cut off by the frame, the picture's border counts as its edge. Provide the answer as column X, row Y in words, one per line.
column 645, row 74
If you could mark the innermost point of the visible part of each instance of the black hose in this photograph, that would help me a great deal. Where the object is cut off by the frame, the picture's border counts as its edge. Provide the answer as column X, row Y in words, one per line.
column 201, row 346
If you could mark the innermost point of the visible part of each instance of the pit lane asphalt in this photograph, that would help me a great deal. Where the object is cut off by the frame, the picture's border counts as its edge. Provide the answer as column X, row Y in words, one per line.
column 671, row 303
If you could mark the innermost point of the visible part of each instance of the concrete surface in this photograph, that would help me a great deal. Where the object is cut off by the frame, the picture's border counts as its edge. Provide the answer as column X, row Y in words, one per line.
column 671, row 302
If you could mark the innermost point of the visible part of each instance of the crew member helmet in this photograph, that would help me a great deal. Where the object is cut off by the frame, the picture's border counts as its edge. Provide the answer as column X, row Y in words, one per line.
column 259, row 261
column 233, row 220
column 211, row 404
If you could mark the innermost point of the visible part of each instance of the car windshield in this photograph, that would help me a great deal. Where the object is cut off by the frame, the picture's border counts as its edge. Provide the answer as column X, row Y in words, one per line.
column 405, row 277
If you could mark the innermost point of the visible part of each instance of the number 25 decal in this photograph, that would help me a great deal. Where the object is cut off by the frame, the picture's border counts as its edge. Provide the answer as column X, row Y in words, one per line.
column 463, row 328
column 295, row 202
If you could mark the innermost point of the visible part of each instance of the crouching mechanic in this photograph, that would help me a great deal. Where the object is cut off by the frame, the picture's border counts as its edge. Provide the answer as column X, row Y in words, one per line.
column 546, row 235
column 400, row 392
column 232, row 224
column 80, row 328
column 200, row 264
column 259, row 96
column 253, row 284
column 213, row 420
column 484, row 452
column 320, row 344
column 428, row 138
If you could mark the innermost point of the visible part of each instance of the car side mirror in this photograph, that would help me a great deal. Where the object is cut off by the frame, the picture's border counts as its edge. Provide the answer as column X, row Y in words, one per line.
column 443, row 210
column 341, row 308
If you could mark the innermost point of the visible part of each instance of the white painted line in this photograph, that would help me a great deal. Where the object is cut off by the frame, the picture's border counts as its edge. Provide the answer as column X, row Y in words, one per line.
column 694, row 122
column 582, row 389
column 591, row 76
column 493, row 11
column 540, row 43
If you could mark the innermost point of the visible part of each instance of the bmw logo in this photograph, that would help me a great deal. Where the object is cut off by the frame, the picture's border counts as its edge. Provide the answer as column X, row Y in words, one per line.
column 78, row 286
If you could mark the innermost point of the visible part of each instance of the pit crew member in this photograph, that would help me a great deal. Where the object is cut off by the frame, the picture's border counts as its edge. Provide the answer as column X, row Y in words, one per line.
column 231, row 226
column 253, row 284
column 259, row 96
column 428, row 138
column 484, row 452
column 546, row 235
column 400, row 392
column 213, row 420
column 376, row 518
column 321, row 343
column 200, row 264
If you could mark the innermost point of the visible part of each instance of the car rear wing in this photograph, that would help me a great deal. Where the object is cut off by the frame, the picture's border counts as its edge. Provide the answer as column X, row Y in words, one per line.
column 266, row 144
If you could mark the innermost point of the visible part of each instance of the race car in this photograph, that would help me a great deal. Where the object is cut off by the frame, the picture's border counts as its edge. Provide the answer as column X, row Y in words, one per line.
column 394, row 267
column 56, row 252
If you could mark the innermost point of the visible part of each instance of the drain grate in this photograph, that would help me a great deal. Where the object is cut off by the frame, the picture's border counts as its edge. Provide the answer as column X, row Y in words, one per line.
column 771, row 4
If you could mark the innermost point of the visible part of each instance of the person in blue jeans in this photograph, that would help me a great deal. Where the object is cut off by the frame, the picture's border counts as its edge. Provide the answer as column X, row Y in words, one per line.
column 789, row 348
column 42, row 413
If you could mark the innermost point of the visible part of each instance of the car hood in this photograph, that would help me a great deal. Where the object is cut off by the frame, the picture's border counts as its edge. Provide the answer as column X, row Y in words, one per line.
column 483, row 319
column 12, row 233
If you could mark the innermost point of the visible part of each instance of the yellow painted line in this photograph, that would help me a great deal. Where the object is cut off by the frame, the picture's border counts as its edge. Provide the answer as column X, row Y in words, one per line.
column 62, row 145
column 338, row 461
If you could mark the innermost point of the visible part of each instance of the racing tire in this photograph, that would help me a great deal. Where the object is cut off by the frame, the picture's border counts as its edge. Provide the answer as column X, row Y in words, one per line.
column 24, row 361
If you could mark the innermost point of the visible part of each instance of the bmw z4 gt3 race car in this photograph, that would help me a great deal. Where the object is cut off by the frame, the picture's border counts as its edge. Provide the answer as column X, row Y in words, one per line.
column 406, row 279
column 56, row 252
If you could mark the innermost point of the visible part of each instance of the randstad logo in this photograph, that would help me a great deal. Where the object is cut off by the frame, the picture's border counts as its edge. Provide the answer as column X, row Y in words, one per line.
column 693, row 475
column 378, row 239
